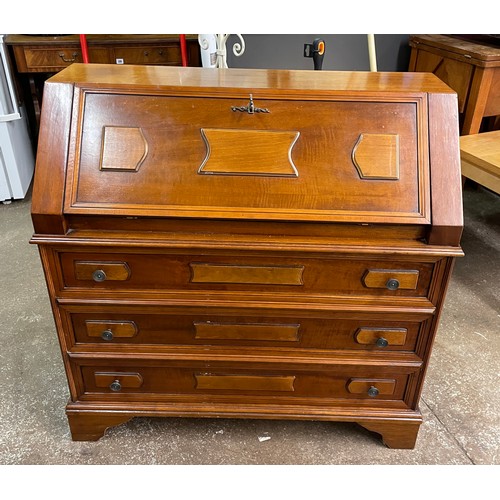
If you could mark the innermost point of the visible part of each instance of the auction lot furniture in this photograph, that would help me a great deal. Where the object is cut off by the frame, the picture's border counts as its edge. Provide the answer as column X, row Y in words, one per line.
column 36, row 57
column 480, row 157
column 469, row 66
column 247, row 243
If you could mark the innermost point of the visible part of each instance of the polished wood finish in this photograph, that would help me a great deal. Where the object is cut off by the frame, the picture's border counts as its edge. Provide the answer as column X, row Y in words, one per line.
column 110, row 271
column 233, row 273
column 363, row 385
column 469, row 67
column 126, row 380
column 480, row 159
column 123, row 148
column 118, row 329
column 249, row 152
column 260, row 332
column 393, row 336
column 376, row 156
column 273, row 383
column 190, row 278
column 379, row 278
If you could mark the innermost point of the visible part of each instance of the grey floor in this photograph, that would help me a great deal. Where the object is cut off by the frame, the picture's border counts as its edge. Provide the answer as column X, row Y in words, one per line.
column 460, row 403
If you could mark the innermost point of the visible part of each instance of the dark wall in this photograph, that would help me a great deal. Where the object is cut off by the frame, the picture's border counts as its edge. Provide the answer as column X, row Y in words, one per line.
column 343, row 52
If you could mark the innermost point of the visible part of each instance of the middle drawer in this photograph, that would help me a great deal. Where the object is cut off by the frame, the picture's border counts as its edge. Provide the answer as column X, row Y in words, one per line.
column 108, row 325
column 331, row 275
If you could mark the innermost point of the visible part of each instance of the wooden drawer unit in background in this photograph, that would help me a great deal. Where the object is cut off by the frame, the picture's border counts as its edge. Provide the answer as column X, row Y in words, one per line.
column 469, row 66
column 253, row 244
column 49, row 54
column 36, row 57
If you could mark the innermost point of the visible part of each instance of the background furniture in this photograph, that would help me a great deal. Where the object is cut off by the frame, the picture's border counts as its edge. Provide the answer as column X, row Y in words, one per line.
column 247, row 243
column 470, row 67
column 480, row 155
column 37, row 57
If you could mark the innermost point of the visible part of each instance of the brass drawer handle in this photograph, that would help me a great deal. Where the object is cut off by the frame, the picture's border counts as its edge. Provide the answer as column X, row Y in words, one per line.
column 62, row 56
column 250, row 109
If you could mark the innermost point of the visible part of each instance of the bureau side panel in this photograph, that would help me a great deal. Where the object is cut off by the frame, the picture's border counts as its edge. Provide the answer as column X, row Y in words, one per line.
column 446, row 185
column 50, row 170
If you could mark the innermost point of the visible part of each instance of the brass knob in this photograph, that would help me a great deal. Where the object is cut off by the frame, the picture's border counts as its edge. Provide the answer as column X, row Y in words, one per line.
column 392, row 284
column 381, row 342
column 99, row 275
column 115, row 386
column 373, row 392
column 107, row 335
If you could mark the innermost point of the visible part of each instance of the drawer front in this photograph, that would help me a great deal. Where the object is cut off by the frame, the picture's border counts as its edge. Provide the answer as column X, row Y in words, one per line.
column 138, row 381
column 291, row 160
column 114, row 328
column 131, row 271
column 56, row 59
column 164, row 54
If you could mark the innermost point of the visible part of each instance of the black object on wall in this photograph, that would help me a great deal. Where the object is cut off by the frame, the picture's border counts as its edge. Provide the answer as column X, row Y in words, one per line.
column 345, row 52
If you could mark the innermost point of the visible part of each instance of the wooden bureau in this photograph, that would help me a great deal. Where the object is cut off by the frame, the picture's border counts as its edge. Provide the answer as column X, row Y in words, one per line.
column 247, row 243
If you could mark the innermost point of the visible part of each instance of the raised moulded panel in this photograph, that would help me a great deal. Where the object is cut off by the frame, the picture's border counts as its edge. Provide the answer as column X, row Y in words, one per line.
column 266, row 153
column 123, row 148
column 376, row 156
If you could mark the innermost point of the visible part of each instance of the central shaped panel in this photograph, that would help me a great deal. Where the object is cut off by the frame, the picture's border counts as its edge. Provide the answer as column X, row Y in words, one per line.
column 249, row 152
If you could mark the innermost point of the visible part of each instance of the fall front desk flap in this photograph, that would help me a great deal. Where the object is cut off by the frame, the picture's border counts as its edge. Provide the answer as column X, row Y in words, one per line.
column 249, row 152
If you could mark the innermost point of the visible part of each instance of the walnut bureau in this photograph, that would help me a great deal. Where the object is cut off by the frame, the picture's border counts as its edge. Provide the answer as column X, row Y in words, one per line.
column 247, row 243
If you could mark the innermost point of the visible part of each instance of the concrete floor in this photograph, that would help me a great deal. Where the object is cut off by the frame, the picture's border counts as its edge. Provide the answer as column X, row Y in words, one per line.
column 460, row 403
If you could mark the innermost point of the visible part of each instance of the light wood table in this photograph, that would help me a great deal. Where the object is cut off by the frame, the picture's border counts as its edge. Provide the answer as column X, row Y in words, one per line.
column 480, row 157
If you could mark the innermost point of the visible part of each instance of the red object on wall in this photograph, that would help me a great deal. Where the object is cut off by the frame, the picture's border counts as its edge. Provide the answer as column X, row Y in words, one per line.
column 85, row 51
column 184, row 57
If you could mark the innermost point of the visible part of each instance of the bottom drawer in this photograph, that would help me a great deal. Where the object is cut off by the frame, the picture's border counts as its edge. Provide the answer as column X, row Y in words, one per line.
column 138, row 382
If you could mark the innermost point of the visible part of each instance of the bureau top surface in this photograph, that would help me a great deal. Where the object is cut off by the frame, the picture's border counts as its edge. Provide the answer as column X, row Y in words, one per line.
column 221, row 80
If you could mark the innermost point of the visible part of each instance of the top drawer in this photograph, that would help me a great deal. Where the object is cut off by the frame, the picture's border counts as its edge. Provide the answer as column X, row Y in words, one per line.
column 332, row 160
column 49, row 59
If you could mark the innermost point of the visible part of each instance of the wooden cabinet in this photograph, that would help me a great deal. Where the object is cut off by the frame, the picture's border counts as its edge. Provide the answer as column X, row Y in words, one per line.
column 247, row 243
column 469, row 67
